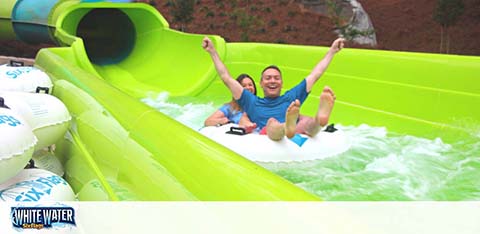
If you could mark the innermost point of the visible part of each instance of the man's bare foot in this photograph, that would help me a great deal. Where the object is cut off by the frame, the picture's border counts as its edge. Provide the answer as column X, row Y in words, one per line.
column 330, row 91
column 327, row 99
column 291, row 117
column 275, row 129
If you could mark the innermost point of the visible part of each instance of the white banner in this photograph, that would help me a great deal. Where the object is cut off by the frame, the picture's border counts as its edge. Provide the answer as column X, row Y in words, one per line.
column 242, row 217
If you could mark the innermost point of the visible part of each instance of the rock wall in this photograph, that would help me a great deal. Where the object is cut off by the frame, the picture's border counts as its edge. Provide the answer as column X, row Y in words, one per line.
column 352, row 20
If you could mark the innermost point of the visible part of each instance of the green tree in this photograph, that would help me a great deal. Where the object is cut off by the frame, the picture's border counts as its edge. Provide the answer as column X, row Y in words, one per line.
column 446, row 14
column 247, row 23
column 182, row 11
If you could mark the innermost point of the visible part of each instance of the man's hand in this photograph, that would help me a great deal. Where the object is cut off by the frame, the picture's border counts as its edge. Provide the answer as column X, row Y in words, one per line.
column 320, row 68
column 337, row 45
column 208, row 45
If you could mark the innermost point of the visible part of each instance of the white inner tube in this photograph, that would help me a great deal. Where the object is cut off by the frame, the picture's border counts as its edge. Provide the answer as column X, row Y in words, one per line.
column 36, row 185
column 25, row 79
column 17, row 143
column 47, row 115
column 260, row 148
column 46, row 160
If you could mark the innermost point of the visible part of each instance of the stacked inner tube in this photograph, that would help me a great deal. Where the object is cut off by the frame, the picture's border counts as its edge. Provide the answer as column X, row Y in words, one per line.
column 36, row 185
column 17, row 143
column 31, row 122
column 22, row 78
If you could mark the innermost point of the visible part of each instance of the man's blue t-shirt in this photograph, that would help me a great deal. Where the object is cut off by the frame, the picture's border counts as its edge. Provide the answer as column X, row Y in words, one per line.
column 259, row 110
column 232, row 115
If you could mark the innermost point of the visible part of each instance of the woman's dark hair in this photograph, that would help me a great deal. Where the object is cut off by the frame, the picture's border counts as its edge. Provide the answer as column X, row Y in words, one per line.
column 243, row 76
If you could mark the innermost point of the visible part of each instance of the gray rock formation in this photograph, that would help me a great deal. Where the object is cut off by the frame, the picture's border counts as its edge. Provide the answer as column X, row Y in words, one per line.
column 352, row 20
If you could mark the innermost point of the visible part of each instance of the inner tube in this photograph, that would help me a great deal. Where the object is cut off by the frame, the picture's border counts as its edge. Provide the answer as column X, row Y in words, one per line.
column 23, row 79
column 47, row 160
column 36, row 185
column 17, row 143
column 47, row 115
column 261, row 149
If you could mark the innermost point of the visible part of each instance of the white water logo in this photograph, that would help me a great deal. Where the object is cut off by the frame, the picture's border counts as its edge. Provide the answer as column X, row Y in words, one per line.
column 25, row 217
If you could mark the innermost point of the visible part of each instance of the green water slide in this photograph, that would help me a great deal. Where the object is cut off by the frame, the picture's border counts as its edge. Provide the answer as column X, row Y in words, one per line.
column 120, row 149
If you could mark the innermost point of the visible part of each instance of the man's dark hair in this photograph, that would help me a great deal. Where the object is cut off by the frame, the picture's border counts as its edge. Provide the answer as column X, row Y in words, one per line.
column 271, row 67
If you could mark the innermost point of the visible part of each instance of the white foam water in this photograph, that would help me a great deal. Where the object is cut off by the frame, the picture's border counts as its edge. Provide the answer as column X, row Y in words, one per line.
column 191, row 115
column 380, row 165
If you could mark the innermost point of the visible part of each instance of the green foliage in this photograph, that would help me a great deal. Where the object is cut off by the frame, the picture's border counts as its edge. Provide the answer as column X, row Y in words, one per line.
column 447, row 12
column 220, row 4
column 246, row 20
column 335, row 8
column 210, row 14
column 233, row 3
column 204, row 9
column 244, row 36
column 273, row 23
column 234, row 15
column 182, row 10
column 152, row 3
column 289, row 28
column 248, row 23
column 350, row 33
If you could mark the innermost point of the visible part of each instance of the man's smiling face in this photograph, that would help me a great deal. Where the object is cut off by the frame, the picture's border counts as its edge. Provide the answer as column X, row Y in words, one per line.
column 271, row 83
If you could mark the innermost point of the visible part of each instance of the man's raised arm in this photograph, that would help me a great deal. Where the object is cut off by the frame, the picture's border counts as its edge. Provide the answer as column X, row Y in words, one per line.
column 222, row 70
column 320, row 68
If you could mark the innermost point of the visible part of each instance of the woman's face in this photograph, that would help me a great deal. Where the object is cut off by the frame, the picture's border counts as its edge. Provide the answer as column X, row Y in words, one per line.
column 247, row 84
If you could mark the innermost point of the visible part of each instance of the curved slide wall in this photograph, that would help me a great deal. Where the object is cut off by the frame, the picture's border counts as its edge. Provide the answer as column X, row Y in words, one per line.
column 135, row 152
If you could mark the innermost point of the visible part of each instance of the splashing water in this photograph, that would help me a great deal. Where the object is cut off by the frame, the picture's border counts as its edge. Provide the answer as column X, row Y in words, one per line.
column 380, row 165
column 191, row 115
